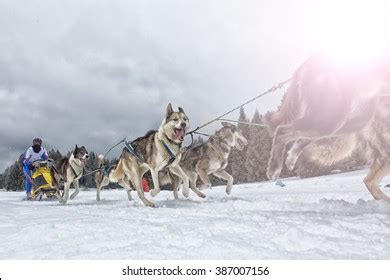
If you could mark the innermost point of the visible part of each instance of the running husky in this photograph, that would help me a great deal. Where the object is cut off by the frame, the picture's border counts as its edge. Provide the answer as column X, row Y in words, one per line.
column 211, row 157
column 102, row 179
column 69, row 170
column 154, row 151
column 373, row 142
column 327, row 98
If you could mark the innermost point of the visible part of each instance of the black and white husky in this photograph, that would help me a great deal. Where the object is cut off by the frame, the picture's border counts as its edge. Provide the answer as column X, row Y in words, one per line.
column 69, row 170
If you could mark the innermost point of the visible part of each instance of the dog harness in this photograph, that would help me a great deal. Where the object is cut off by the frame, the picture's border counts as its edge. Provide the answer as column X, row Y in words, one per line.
column 169, row 151
column 132, row 151
column 74, row 171
column 165, row 141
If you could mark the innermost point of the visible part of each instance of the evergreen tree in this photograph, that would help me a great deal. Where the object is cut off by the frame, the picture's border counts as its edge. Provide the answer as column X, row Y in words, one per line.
column 198, row 141
column 237, row 159
column 55, row 155
column 2, row 179
column 14, row 180
column 257, row 154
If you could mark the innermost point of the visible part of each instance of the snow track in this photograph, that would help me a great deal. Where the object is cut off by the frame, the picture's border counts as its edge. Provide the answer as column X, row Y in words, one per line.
column 331, row 217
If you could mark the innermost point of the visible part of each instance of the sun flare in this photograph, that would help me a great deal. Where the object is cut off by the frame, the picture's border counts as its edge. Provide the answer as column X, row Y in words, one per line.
column 352, row 31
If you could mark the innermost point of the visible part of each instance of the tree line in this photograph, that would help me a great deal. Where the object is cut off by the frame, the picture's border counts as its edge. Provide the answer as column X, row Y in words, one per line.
column 246, row 166
column 13, row 178
column 250, row 165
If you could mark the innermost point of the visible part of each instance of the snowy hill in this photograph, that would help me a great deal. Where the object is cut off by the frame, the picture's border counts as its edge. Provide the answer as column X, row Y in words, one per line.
column 330, row 217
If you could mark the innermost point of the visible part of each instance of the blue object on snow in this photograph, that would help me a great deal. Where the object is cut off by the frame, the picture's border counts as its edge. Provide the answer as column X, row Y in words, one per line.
column 279, row 183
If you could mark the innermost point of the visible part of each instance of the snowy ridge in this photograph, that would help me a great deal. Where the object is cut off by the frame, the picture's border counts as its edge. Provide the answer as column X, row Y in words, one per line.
column 331, row 217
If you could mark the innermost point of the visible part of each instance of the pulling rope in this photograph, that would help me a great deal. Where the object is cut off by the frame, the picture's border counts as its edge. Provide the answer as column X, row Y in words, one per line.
column 90, row 172
column 109, row 150
column 273, row 89
column 246, row 123
column 200, row 133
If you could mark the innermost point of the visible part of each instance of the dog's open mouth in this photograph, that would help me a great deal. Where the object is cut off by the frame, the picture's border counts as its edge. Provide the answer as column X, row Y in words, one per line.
column 178, row 134
column 82, row 161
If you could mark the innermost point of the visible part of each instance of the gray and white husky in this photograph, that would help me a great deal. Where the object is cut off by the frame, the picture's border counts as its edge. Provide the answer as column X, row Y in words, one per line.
column 69, row 170
column 211, row 157
column 329, row 99
column 154, row 151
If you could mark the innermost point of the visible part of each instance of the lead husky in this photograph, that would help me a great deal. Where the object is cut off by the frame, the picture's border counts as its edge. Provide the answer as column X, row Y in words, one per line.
column 211, row 157
column 331, row 99
column 154, row 151
column 69, row 170
column 326, row 98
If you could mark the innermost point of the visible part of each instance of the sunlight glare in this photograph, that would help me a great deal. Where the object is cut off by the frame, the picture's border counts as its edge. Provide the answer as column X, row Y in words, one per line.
column 352, row 31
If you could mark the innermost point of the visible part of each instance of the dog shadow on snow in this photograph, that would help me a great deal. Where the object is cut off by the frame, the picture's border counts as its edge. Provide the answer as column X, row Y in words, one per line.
column 190, row 203
column 169, row 203
column 90, row 203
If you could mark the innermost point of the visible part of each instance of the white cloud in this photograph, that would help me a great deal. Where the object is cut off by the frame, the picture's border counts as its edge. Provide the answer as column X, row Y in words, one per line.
column 91, row 72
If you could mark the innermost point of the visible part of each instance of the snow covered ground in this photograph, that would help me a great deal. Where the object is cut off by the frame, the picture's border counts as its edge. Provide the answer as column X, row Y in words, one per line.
column 331, row 217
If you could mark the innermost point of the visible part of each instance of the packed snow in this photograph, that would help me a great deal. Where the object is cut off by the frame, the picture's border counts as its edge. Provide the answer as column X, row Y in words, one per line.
column 330, row 217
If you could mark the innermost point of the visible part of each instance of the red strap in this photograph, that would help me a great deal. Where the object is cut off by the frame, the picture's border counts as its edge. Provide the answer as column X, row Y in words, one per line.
column 145, row 185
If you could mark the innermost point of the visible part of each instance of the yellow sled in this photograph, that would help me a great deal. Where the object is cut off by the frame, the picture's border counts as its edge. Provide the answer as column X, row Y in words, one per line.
column 42, row 184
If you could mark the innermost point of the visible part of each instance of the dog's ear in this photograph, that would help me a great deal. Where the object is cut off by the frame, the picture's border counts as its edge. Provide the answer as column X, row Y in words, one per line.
column 229, row 125
column 75, row 150
column 169, row 110
column 181, row 110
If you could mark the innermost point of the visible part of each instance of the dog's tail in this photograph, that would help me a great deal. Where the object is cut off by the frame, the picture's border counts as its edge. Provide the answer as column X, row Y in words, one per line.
column 328, row 151
column 99, row 175
column 116, row 172
column 100, row 161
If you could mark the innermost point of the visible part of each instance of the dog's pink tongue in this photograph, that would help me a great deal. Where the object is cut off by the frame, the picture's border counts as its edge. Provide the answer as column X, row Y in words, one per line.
column 179, row 133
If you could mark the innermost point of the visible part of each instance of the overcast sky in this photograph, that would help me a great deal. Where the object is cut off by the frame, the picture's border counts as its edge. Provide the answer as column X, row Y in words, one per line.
column 93, row 72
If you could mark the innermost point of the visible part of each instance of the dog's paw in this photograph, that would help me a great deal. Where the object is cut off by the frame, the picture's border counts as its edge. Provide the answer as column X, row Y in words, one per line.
column 186, row 193
column 62, row 201
column 202, row 195
column 150, row 204
column 154, row 192
column 228, row 189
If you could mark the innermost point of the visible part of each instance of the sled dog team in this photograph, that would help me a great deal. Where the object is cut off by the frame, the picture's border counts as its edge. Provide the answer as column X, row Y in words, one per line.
column 328, row 111
column 159, row 150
